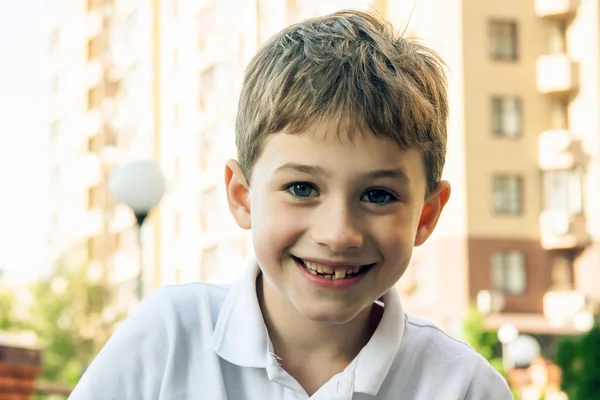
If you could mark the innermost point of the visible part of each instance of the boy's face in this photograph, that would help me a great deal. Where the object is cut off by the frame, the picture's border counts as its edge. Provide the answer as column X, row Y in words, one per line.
column 334, row 221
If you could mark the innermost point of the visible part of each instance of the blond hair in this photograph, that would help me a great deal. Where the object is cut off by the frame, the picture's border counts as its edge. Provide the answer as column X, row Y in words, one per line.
column 349, row 68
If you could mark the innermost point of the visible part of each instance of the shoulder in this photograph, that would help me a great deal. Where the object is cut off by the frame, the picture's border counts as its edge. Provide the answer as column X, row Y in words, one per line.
column 420, row 332
column 186, row 303
column 450, row 362
column 170, row 324
column 176, row 307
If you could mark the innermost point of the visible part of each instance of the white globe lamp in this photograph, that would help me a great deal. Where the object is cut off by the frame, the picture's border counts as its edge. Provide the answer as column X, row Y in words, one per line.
column 140, row 185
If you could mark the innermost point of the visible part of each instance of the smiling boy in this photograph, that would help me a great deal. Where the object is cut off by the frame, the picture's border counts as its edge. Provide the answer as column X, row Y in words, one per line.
column 341, row 137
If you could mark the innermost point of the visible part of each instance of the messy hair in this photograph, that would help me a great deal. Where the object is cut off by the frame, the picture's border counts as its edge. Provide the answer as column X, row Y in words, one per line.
column 350, row 68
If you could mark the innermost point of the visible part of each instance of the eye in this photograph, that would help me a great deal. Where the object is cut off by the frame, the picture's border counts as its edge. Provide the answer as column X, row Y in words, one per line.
column 302, row 190
column 378, row 197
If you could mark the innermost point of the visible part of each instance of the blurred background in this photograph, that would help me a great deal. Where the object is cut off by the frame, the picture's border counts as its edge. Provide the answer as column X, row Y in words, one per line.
column 116, row 118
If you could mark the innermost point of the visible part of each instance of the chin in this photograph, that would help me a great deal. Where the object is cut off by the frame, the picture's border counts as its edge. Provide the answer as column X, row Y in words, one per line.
column 328, row 313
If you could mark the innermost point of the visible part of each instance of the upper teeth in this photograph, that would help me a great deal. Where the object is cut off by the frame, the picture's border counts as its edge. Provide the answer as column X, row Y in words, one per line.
column 338, row 273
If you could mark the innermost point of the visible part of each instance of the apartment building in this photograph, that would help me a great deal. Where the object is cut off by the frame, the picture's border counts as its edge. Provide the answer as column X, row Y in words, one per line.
column 520, row 233
column 160, row 79
column 99, row 63
column 519, row 236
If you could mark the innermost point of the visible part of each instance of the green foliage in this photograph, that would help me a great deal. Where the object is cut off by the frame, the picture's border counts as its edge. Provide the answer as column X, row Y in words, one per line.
column 482, row 340
column 579, row 359
column 8, row 319
column 67, row 316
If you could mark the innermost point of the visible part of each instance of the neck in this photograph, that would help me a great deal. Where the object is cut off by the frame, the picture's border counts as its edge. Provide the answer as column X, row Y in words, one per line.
column 297, row 339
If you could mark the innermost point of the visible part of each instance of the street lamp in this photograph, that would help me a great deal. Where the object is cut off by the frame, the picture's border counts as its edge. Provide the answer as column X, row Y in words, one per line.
column 506, row 335
column 140, row 185
column 523, row 350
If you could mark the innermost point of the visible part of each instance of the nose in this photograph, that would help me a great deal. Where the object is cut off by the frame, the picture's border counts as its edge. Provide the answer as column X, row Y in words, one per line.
column 338, row 228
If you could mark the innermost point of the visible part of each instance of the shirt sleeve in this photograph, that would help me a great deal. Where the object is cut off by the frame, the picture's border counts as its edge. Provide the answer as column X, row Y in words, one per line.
column 132, row 363
column 488, row 384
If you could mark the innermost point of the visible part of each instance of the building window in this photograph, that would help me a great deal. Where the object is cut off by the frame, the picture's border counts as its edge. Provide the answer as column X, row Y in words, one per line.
column 54, row 86
column 177, row 225
column 207, row 19
column 209, row 200
column 204, row 152
column 503, row 40
column 206, row 87
column 506, row 116
column 209, row 263
column 91, row 247
column 557, row 41
column 93, row 144
column 221, row 76
column 177, row 169
column 130, row 25
column 113, row 241
column 55, row 176
column 93, row 48
column 176, row 114
column 208, row 208
column 175, row 59
column 95, row 197
column 563, row 190
column 54, row 40
column 111, row 137
column 508, row 272
column 508, row 195
column 129, row 82
column 94, row 98
column 92, row 4
column 55, row 129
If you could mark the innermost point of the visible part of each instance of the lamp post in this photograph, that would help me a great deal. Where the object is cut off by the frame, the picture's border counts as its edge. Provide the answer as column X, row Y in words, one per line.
column 506, row 335
column 140, row 185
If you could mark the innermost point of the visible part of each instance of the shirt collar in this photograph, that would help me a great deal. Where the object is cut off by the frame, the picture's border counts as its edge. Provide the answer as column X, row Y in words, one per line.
column 241, row 337
column 240, row 334
column 375, row 359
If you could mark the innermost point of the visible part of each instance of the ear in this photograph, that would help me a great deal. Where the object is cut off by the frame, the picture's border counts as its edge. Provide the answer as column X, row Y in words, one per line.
column 238, row 194
column 432, row 209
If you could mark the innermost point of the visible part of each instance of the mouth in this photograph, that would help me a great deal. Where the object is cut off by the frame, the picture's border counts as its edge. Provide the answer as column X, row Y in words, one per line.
column 333, row 273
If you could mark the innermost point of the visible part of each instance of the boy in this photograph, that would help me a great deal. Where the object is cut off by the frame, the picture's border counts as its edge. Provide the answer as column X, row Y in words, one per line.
column 341, row 136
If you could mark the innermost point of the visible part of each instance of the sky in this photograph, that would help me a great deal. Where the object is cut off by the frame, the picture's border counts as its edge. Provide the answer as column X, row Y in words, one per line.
column 23, row 139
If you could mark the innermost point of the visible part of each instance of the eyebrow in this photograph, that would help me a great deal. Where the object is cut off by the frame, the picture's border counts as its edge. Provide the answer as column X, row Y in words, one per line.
column 397, row 173
column 302, row 168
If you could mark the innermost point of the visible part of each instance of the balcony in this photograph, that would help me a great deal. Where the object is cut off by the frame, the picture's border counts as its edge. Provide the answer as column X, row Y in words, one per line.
column 557, row 74
column 94, row 73
column 82, row 171
column 92, row 123
column 555, row 9
column 559, row 150
column 568, row 307
column 561, row 230
column 93, row 223
column 94, row 23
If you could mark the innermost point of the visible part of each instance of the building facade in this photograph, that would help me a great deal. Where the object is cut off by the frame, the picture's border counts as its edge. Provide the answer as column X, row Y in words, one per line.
column 520, row 232
column 160, row 79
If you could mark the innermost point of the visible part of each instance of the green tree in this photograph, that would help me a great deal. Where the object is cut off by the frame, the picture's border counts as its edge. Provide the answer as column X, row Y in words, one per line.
column 7, row 306
column 10, row 320
column 579, row 360
column 481, row 339
column 69, row 316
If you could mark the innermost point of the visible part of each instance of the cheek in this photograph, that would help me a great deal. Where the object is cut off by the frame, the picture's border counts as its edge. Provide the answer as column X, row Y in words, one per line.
column 275, row 227
column 395, row 238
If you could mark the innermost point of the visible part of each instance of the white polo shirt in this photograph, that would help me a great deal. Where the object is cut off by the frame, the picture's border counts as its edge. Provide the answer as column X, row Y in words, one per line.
column 205, row 342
